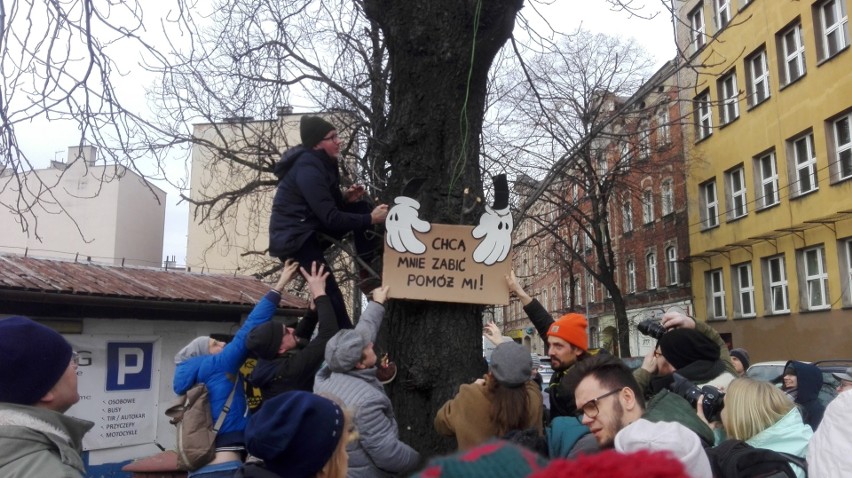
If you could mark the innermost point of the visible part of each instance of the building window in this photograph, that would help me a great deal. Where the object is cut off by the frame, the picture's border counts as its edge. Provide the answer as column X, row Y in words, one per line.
column 737, row 203
column 590, row 288
column 631, row 277
column 791, row 54
column 667, row 197
column 844, row 249
column 814, row 290
column 709, row 205
column 842, row 147
column 758, row 78
column 804, row 165
column 603, row 166
column 723, row 13
column 729, row 108
column 767, row 177
column 697, row 30
column 832, row 28
column 776, row 278
column 663, row 137
column 744, row 287
column 644, row 140
column 647, row 206
column 627, row 213
column 703, row 119
column 578, row 290
column 553, row 298
column 715, row 294
column 671, row 265
column 651, row 265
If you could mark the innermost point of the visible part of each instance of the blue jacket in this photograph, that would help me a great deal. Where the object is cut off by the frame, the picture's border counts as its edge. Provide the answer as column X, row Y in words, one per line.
column 809, row 378
column 219, row 371
column 308, row 199
column 787, row 435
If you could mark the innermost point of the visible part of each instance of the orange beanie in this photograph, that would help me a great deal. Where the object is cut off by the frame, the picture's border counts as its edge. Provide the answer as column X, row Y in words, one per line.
column 572, row 329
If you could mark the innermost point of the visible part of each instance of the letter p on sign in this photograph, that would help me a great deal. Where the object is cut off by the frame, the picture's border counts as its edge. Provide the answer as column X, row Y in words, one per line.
column 129, row 366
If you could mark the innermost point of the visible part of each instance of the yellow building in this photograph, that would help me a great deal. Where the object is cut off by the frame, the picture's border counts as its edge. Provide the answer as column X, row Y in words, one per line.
column 768, row 100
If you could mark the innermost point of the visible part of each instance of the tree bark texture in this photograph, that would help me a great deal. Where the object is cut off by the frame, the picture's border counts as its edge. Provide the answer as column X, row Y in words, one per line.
column 440, row 52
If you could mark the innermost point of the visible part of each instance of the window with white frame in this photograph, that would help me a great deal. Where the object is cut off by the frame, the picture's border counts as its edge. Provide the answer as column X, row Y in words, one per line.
column 791, row 54
column 671, row 265
column 702, row 114
column 709, row 205
column 842, row 147
column 758, row 77
column 767, row 180
column 647, row 206
column 815, row 281
column 663, row 136
column 697, row 29
column 631, row 277
column 667, row 197
column 543, row 299
column 723, row 13
column 627, row 213
column 776, row 279
column 804, row 165
column 845, row 250
column 625, row 154
column 590, row 289
column 644, row 140
column 651, row 269
column 553, row 298
column 744, row 287
column 832, row 30
column 578, row 290
column 729, row 103
column 603, row 166
column 715, row 293
column 737, row 203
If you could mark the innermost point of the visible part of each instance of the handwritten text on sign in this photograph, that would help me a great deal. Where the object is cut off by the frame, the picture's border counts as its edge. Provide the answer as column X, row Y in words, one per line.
column 446, row 272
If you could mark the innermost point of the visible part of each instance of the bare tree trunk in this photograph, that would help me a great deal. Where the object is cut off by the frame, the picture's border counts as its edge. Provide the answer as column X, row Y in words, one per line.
column 440, row 53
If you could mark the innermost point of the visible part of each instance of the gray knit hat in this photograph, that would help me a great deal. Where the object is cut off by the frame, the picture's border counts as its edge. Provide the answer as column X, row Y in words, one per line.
column 344, row 350
column 313, row 129
column 511, row 364
column 199, row 346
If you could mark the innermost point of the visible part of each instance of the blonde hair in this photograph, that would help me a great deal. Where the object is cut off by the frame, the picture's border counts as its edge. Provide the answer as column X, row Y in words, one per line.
column 752, row 406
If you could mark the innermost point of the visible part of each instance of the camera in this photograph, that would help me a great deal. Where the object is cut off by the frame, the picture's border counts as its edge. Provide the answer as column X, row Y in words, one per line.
column 651, row 328
column 712, row 403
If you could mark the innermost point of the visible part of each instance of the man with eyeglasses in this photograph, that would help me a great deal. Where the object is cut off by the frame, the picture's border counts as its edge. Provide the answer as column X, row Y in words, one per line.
column 310, row 212
column 609, row 401
column 845, row 380
column 38, row 384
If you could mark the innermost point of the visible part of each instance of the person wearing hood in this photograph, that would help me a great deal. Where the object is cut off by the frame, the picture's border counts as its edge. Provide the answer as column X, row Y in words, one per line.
column 284, row 365
column 828, row 451
column 309, row 210
column 38, row 384
column 764, row 417
column 350, row 375
column 217, row 365
column 505, row 400
column 802, row 382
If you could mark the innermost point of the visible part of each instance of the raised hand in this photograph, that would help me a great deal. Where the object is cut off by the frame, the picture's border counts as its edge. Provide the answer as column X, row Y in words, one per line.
column 401, row 223
column 315, row 279
column 496, row 228
column 287, row 274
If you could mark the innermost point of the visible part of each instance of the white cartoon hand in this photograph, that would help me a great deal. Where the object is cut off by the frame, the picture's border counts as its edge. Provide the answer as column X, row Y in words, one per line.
column 401, row 223
column 496, row 227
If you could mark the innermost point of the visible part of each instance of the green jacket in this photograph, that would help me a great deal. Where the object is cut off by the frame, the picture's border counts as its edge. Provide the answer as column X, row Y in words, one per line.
column 40, row 442
column 669, row 407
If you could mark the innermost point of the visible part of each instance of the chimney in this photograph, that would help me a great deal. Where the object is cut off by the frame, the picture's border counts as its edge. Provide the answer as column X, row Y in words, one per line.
column 285, row 110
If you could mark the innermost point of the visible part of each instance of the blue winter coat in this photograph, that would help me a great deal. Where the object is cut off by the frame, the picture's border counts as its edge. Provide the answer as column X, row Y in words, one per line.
column 308, row 199
column 787, row 435
column 807, row 394
column 219, row 371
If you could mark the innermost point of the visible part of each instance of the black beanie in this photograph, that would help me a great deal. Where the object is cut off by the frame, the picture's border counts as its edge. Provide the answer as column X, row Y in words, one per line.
column 265, row 340
column 33, row 358
column 313, row 129
column 742, row 355
column 682, row 347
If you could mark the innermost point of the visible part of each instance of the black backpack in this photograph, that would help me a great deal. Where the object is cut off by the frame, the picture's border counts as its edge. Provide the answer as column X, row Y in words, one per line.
column 736, row 458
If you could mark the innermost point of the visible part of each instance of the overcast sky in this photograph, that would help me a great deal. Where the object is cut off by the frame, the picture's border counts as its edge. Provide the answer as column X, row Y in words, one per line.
column 654, row 35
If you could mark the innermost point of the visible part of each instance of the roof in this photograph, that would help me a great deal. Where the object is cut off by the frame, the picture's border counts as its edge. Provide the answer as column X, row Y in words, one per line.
column 27, row 281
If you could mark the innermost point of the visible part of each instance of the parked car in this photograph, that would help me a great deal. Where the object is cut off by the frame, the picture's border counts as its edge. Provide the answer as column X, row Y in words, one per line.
column 773, row 372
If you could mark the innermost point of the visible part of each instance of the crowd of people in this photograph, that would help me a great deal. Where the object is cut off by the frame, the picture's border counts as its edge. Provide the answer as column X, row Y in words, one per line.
column 688, row 411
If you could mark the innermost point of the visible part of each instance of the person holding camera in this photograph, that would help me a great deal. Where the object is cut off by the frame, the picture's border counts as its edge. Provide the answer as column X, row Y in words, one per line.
column 610, row 402
column 692, row 349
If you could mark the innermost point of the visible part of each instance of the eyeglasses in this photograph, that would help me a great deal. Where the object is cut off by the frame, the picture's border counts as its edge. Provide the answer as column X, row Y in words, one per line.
column 330, row 137
column 75, row 358
column 590, row 408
